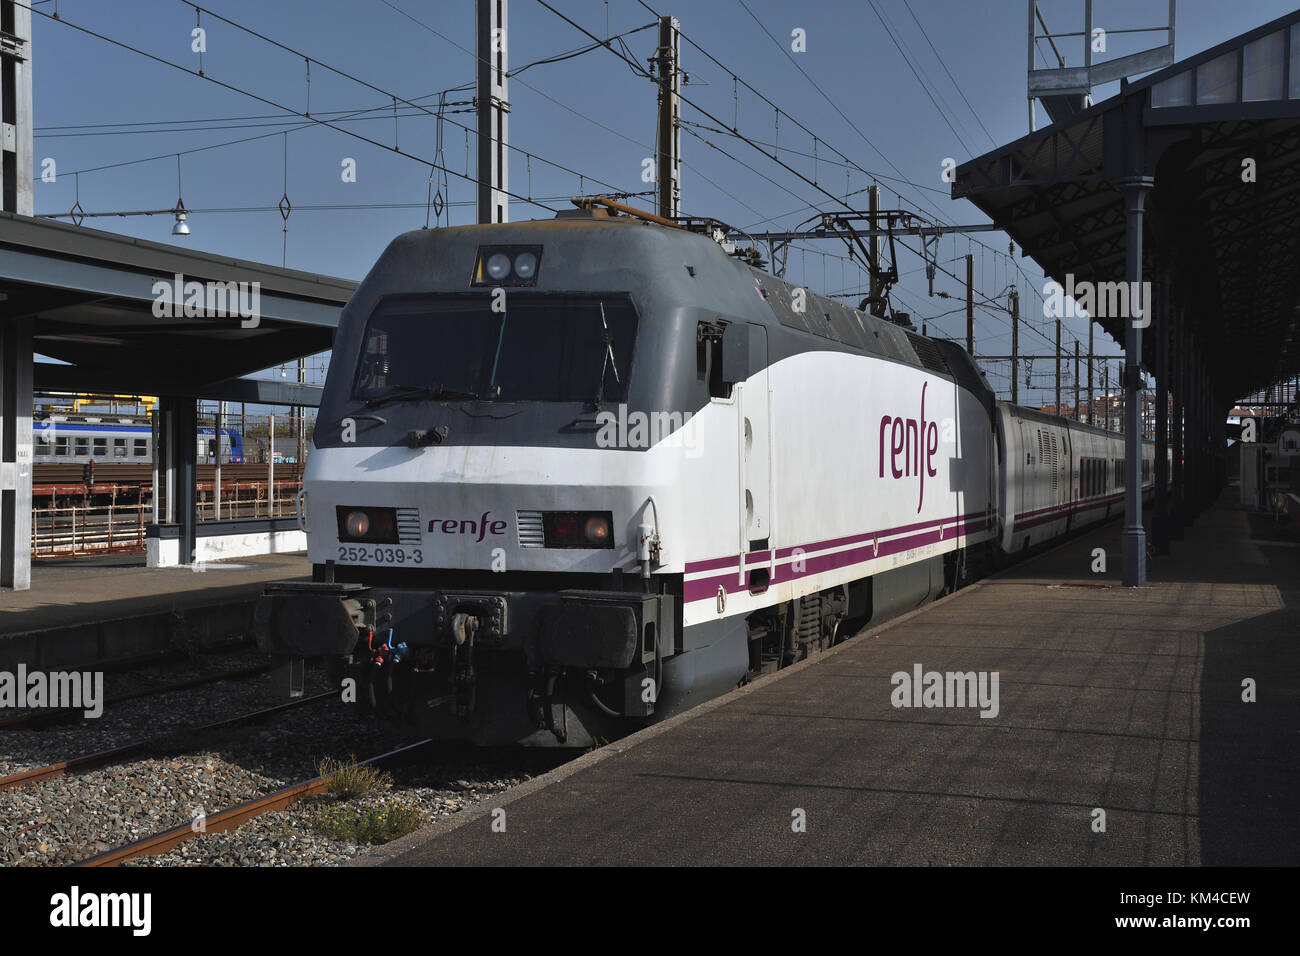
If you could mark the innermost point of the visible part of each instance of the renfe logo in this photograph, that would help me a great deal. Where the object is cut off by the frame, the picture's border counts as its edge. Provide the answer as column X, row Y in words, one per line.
column 916, row 440
column 468, row 526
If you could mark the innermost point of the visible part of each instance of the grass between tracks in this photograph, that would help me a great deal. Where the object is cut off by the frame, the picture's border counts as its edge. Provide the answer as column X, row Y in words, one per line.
column 377, row 823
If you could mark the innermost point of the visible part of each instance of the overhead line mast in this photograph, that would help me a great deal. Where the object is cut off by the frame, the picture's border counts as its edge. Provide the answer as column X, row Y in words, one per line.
column 668, row 141
column 492, row 102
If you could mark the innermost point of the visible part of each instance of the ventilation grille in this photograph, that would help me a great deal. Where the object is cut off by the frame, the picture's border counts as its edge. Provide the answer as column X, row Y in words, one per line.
column 1056, row 462
column 408, row 526
column 929, row 355
column 530, row 529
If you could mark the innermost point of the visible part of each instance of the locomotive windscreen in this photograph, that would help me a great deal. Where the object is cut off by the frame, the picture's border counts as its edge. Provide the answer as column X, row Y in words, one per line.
column 542, row 348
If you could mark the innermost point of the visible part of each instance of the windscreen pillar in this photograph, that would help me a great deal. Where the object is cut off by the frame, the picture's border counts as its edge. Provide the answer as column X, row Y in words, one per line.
column 16, row 454
column 1135, row 190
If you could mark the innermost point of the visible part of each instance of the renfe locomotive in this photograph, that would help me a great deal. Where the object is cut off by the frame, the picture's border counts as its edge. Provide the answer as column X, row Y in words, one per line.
column 575, row 475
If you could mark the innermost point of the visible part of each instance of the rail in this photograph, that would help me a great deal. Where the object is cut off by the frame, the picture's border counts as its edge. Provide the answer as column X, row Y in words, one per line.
column 233, row 817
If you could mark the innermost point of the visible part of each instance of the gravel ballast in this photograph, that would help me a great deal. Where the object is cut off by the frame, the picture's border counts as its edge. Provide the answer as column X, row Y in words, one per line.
column 69, row 818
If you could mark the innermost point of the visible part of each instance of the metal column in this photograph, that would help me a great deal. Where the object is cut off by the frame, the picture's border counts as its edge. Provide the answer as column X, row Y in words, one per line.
column 668, row 165
column 1092, row 414
column 182, row 430
column 493, row 112
column 17, row 180
column 877, row 299
column 1015, row 345
column 1076, row 380
column 1180, row 403
column 156, row 445
column 16, row 454
column 1191, row 450
column 1056, row 409
column 970, row 304
column 217, row 424
column 1135, row 537
column 1160, row 521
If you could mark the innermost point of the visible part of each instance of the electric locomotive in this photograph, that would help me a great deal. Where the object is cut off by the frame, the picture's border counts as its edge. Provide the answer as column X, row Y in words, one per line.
column 576, row 475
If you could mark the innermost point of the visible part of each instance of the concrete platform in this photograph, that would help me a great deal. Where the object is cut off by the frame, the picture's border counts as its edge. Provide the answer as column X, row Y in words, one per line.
column 1125, row 700
column 82, row 611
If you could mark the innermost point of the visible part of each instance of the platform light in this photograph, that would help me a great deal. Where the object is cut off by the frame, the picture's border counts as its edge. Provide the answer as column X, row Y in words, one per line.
column 181, row 228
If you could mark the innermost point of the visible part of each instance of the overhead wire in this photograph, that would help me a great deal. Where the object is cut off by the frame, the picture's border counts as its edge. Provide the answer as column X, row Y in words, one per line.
column 280, row 106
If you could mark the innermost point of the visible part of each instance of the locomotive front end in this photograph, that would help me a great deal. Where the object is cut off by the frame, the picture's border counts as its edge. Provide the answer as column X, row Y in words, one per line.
column 488, row 499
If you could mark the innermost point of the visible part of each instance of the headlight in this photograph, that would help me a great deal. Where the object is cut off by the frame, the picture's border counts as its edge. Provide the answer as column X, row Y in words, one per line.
column 525, row 265
column 377, row 525
column 577, row 529
column 507, row 266
column 597, row 530
column 357, row 524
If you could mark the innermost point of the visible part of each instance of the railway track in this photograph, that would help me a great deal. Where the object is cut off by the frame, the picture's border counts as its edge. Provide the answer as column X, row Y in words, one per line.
column 104, row 757
column 44, row 717
column 233, row 817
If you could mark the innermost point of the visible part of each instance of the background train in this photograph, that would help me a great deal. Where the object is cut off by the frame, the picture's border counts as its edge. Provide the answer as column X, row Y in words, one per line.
column 73, row 439
column 574, row 476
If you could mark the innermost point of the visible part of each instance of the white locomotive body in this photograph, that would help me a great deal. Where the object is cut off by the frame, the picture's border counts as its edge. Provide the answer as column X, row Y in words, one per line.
column 576, row 475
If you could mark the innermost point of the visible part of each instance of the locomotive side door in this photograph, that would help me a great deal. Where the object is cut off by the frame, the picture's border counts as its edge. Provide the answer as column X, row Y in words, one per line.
column 1026, row 467
column 745, row 344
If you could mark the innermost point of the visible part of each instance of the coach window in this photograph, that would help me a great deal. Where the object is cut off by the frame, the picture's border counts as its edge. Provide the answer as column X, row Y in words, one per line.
column 141, row 448
column 82, row 446
column 101, row 447
column 119, row 447
column 61, row 447
column 42, row 445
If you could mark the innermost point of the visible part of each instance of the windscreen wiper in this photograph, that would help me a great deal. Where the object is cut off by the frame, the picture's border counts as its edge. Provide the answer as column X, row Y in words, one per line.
column 607, row 356
column 402, row 393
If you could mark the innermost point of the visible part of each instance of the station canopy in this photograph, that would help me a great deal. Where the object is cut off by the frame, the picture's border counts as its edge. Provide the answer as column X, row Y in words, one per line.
column 92, row 295
column 1220, row 135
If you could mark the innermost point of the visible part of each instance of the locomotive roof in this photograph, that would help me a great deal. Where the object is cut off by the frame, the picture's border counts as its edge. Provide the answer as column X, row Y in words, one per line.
column 661, row 252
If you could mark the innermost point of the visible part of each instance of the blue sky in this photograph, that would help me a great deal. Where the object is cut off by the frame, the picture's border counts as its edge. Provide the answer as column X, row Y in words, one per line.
column 590, row 114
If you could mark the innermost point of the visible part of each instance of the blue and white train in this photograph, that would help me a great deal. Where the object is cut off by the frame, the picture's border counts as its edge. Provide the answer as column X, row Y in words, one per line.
column 103, row 439
column 573, row 476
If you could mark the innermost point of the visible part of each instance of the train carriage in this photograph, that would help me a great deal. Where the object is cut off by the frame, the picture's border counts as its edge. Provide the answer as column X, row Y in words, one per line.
column 78, row 439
